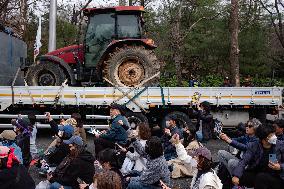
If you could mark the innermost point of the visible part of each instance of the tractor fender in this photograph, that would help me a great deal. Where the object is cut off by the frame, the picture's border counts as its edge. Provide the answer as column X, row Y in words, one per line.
column 62, row 64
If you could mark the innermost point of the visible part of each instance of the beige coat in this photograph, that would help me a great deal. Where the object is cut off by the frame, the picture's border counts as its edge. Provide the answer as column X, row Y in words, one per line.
column 181, row 168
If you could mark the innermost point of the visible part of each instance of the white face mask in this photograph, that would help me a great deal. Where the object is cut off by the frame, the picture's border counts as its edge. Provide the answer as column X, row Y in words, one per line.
column 167, row 123
column 273, row 139
column 15, row 128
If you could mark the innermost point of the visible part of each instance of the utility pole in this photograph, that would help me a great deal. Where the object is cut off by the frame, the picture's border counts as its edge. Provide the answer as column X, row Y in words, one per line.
column 52, row 25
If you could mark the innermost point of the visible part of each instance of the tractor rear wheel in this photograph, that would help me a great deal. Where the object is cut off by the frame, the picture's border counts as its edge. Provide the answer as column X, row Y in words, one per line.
column 45, row 74
column 131, row 65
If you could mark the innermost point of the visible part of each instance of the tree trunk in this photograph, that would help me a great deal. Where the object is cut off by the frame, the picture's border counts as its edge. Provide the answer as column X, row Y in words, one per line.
column 177, row 43
column 130, row 3
column 142, row 3
column 234, row 51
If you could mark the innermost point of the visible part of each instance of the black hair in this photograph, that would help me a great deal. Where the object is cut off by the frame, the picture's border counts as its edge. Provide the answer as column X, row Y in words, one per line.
column 205, row 164
column 32, row 118
column 189, row 137
column 279, row 123
column 263, row 131
column 154, row 147
column 109, row 156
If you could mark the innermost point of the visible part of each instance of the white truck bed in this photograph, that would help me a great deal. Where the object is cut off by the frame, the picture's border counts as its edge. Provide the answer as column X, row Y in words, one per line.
column 80, row 96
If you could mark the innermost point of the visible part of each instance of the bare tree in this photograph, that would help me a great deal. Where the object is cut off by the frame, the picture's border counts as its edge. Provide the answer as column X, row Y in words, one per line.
column 234, row 50
column 275, row 11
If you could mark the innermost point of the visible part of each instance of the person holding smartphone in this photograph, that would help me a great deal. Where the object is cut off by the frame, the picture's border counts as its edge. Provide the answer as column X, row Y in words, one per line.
column 262, row 166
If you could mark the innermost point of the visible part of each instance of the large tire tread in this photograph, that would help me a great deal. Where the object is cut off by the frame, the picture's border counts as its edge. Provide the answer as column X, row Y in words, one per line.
column 150, row 63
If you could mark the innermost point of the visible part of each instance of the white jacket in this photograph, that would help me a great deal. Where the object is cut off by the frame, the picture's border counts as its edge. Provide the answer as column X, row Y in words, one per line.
column 209, row 180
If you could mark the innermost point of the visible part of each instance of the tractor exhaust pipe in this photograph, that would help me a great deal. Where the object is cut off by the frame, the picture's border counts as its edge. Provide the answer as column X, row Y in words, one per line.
column 52, row 25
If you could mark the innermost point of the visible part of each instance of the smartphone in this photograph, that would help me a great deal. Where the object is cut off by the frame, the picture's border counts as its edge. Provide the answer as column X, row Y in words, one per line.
column 80, row 181
column 272, row 158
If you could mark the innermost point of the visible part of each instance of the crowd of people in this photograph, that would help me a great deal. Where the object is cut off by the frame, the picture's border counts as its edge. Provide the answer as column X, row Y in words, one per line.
column 142, row 159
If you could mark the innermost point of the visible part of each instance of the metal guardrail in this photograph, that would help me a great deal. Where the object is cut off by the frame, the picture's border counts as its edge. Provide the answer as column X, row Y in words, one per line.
column 46, row 126
column 43, row 117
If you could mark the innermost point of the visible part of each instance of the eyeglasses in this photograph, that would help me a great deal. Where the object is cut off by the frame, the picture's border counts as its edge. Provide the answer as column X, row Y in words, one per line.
column 249, row 125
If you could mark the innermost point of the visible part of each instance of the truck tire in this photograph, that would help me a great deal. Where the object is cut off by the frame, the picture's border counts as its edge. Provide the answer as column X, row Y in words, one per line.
column 183, row 120
column 45, row 74
column 131, row 65
column 135, row 118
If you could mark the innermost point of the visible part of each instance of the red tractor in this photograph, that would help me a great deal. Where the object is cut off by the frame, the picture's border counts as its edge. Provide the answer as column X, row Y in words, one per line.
column 114, row 48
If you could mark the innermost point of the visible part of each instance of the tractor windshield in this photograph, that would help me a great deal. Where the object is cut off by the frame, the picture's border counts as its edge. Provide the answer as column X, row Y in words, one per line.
column 128, row 26
column 100, row 31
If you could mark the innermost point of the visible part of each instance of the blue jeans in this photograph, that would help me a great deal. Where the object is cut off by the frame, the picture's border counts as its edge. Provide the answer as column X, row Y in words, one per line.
column 57, row 185
column 134, row 184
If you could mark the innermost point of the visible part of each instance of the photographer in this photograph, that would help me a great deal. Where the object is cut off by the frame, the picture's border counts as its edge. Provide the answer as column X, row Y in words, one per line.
column 229, row 160
column 205, row 120
column 262, row 166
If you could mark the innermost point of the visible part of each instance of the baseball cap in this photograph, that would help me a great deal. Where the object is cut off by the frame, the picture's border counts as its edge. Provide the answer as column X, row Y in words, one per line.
column 67, row 129
column 117, row 107
column 203, row 151
column 74, row 140
column 4, row 151
column 8, row 135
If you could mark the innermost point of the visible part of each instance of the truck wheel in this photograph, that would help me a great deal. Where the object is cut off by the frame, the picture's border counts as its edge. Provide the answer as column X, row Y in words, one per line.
column 183, row 119
column 131, row 65
column 45, row 74
column 135, row 118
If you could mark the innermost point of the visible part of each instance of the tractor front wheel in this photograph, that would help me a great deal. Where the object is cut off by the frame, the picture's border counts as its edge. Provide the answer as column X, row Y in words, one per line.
column 45, row 74
column 130, row 66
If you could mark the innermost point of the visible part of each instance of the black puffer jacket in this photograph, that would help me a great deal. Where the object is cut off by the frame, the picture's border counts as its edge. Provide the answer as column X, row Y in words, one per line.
column 70, row 169
column 16, row 177
column 60, row 152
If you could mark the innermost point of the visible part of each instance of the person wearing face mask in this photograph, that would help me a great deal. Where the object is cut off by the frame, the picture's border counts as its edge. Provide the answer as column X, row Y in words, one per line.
column 171, row 129
column 117, row 132
column 262, row 166
column 79, row 164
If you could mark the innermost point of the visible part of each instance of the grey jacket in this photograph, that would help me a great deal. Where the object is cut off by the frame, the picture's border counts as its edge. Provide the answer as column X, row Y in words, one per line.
column 156, row 169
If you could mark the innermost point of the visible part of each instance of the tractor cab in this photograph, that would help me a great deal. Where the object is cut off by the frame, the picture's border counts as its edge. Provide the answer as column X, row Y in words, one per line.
column 107, row 26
